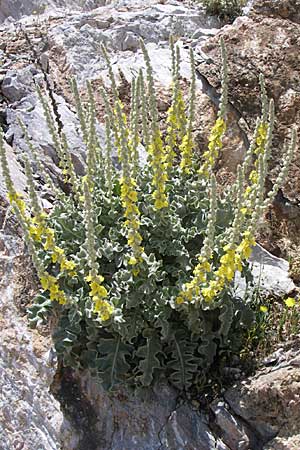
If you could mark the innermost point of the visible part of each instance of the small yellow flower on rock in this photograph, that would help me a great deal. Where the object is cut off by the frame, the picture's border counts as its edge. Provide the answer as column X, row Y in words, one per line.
column 290, row 302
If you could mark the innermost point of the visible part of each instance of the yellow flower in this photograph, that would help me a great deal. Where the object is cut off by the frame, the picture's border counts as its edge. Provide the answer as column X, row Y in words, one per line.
column 47, row 281
column 253, row 176
column 68, row 266
column 263, row 309
column 98, row 278
column 161, row 203
column 54, row 289
column 290, row 302
column 132, row 261
column 50, row 241
column 57, row 254
column 97, row 290
column 36, row 232
column 61, row 298
column 179, row 300
column 103, row 308
column 214, row 147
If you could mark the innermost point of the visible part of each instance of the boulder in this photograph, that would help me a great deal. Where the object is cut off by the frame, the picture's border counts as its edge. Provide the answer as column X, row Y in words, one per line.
column 269, row 402
column 137, row 420
column 270, row 275
column 284, row 9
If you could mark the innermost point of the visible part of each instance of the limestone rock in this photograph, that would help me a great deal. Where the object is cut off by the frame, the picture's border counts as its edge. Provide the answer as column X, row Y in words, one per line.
column 16, row 85
column 17, row 8
column 16, row 172
column 284, row 9
column 30, row 417
column 270, row 274
column 78, row 38
column 270, row 402
column 153, row 418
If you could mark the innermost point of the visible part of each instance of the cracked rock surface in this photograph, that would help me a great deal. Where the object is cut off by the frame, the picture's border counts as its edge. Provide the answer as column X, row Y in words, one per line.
column 41, row 406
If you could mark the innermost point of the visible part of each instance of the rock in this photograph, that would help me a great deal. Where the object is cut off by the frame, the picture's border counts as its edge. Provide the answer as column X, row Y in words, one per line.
column 17, row 84
column 17, row 8
column 270, row 274
column 234, row 432
column 153, row 418
column 267, row 44
column 30, row 111
column 151, row 21
column 269, row 403
column 30, row 417
column 131, row 42
column 283, row 443
column 284, row 9
column 16, row 172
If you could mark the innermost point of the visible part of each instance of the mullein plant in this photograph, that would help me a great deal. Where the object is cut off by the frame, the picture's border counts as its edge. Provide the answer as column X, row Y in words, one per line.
column 139, row 261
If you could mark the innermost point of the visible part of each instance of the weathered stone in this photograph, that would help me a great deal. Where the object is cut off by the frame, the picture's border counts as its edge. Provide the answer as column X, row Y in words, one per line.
column 153, row 418
column 17, row 8
column 284, row 9
column 267, row 44
column 16, row 172
column 234, row 433
column 270, row 402
column 270, row 274
column 30, row 111
column 16, row 85
column 151, row 21
column 30, row 417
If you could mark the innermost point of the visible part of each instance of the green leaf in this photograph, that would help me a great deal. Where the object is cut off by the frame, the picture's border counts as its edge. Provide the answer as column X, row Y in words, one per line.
column 112, row 364
column 183, row 363
column 148, row 354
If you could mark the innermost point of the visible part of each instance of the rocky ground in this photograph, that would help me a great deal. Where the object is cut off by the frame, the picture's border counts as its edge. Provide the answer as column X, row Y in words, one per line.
column 45, row 408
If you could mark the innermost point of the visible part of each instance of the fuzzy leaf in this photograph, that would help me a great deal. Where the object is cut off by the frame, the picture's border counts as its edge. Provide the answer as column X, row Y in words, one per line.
column 149, row 361
column 183, row 364
column 112, row 364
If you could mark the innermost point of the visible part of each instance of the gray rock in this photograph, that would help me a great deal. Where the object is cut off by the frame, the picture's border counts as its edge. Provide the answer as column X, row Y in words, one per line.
column 30, row 111
column 270, row 274
column 269, row 402
column 17, row 84
column 234, row 433
column 30, row 417
column 131, row 41
column 151, row 21
column 153, row 419
column 15, row 9
column 16, row 173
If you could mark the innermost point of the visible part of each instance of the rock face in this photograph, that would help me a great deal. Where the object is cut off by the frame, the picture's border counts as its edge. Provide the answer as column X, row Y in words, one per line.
column 30, row 417
column 266, row 41
column 270, row 402
column 154, row 418
column 15, row 9
column 285, row 9
column 75, row 413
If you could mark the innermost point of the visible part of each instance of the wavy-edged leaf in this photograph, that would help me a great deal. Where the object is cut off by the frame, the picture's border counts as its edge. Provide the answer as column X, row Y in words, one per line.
column 39, row 311
column 67, row 336
column 111, row 363
column 183, row 364
column 148, row 354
